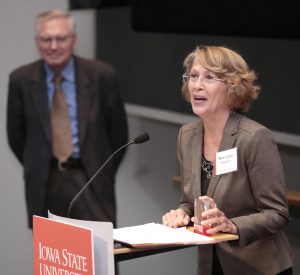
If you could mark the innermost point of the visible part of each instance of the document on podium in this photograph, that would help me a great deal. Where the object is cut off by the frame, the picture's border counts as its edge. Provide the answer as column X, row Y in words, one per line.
column 154, row 234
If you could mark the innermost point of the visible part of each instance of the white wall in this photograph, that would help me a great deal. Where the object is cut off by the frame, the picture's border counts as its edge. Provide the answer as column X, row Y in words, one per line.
column 17, row 48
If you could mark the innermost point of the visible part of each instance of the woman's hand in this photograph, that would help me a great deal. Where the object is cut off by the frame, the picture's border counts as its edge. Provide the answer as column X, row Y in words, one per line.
column 176, row 218
column 216, row 219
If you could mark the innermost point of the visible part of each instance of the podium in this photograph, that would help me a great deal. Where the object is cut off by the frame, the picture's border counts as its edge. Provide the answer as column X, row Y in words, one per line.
column 123, row 253
column 70, row 247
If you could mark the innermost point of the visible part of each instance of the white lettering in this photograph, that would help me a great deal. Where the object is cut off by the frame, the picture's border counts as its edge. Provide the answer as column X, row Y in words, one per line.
column 74, row 261
column 47, row 253
column 52, row 270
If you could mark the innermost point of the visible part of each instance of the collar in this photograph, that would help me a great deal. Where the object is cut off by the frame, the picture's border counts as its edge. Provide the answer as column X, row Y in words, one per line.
column 68, row 73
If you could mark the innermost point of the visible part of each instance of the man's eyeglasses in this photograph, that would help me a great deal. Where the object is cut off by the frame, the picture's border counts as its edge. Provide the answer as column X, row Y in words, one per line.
column 207, row 78
column 59, row 40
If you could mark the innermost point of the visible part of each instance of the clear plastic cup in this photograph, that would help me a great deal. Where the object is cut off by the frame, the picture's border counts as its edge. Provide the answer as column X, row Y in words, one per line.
column 200, row 206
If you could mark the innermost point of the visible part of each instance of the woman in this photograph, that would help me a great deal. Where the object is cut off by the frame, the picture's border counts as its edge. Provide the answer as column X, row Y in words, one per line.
column 247, row 190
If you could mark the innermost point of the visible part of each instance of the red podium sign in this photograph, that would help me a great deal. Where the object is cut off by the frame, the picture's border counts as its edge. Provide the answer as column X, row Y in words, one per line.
column 62, row 249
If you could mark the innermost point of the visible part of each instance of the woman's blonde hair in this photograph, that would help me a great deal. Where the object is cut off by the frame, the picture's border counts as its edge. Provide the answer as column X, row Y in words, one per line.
column 229, row 66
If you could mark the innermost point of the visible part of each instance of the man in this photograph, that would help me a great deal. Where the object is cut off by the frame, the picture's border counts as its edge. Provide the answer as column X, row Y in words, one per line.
column 65, row 117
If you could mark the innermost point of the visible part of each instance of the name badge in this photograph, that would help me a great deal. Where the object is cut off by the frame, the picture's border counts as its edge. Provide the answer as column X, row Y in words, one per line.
column 226, row 161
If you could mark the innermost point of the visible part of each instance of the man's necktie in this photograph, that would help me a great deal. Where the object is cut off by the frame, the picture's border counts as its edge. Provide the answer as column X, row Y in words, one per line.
column 60, row 123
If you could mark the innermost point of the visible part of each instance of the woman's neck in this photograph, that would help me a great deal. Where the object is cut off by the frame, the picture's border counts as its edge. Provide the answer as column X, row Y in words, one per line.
column 213, row 133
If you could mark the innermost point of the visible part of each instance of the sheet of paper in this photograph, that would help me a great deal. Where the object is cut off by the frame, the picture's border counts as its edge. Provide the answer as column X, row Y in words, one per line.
column 153, row 233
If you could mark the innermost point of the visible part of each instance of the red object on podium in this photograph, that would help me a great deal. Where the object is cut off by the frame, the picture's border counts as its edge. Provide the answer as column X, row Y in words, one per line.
column 201, row 229
column 60, row 248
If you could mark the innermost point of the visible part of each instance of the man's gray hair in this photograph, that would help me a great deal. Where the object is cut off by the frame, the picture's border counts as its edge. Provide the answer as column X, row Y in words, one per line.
column 54, row 14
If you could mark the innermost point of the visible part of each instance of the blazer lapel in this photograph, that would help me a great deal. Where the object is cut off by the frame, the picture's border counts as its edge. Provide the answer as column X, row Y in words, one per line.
column 38, row 90
column 196, row 163
column 84, row 96
column 227, row 142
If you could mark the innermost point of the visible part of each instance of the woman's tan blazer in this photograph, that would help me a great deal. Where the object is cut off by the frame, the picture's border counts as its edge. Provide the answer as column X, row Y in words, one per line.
column 253, row 197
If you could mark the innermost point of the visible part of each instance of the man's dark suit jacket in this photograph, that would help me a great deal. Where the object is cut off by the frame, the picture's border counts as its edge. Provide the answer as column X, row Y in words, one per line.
column 102, row 129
